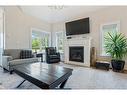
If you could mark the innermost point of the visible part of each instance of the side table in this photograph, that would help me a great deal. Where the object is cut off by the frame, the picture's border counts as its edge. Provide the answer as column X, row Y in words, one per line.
column 40, row 55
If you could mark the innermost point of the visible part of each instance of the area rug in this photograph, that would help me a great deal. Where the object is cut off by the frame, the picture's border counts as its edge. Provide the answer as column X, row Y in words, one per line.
column 82, row 78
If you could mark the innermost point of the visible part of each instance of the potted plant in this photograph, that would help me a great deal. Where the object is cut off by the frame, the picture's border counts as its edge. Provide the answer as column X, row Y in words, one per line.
column 116, row 46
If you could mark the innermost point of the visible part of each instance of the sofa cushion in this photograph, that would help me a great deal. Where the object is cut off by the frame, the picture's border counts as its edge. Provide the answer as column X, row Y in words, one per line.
column 15, row 53
column 23, row 61
column 26, row 54
column 53, row 56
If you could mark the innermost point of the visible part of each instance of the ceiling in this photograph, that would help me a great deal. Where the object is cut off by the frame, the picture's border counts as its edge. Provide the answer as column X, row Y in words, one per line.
column 51, row 14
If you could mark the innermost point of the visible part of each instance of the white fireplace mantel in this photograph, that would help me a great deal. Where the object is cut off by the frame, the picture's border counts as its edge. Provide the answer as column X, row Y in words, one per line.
column 82, row 41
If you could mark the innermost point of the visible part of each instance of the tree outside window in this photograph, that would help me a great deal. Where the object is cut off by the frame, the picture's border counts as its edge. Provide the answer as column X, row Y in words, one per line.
column 40, row 40
column 36, row 43
column 44, row 42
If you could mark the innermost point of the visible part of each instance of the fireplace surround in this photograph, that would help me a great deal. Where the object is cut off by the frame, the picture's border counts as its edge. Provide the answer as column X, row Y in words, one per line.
column 74, row 43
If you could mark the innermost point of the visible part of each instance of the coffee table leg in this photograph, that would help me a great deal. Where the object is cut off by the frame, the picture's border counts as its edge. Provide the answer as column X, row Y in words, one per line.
column 20, row 83
column 63, row 84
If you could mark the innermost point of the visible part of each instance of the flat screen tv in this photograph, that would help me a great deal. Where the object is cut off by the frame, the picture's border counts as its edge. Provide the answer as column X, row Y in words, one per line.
column 77, row 27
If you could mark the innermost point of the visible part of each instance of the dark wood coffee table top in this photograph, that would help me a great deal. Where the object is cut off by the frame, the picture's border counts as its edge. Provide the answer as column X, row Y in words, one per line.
column 43, row 75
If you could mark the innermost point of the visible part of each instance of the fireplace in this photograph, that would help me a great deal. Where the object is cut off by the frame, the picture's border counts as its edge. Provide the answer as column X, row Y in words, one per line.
column 76, row 53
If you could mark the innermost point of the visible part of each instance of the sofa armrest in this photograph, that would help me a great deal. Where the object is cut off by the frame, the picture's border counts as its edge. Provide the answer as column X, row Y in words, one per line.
column 5, row 61
column 7, row 58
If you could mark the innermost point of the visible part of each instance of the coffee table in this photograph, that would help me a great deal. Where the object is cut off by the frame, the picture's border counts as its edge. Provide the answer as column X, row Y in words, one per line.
column 45, row 76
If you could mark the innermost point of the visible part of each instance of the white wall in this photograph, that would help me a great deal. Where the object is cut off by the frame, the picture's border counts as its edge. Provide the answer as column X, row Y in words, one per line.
column 18, row 28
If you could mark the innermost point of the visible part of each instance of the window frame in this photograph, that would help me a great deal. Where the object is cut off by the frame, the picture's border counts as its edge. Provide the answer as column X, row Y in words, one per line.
column 102, row 36
column 39, row 30
column 57, row 40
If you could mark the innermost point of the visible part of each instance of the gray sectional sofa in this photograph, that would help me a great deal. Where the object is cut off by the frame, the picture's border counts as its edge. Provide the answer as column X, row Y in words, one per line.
column 12, row 57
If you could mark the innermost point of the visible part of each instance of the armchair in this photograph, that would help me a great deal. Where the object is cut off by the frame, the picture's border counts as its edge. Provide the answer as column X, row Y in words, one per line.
column 52, row 56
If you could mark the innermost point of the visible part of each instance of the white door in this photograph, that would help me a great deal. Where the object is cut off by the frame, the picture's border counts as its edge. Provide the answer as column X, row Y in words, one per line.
column 1, row 34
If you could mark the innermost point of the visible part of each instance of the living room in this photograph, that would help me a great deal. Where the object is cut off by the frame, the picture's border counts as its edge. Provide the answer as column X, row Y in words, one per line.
column 26, row 27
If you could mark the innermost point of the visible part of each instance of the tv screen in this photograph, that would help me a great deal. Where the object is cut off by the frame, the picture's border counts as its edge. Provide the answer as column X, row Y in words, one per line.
column 77, row 27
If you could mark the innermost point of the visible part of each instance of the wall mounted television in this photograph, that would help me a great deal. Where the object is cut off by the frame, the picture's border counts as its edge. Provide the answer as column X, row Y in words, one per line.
column 78, row 27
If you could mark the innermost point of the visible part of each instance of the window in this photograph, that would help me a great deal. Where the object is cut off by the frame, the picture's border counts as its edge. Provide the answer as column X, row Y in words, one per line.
column 60, row 41
column 40, row 40
column 112, row 28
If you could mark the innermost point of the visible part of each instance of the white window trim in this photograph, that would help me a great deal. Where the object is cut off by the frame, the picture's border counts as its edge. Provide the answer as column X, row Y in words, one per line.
column 57, row 40
column 40, row 30
column 101, row 35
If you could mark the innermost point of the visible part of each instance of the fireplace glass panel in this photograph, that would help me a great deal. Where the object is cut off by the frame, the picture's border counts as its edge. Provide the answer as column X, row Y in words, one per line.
column 76, row 54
